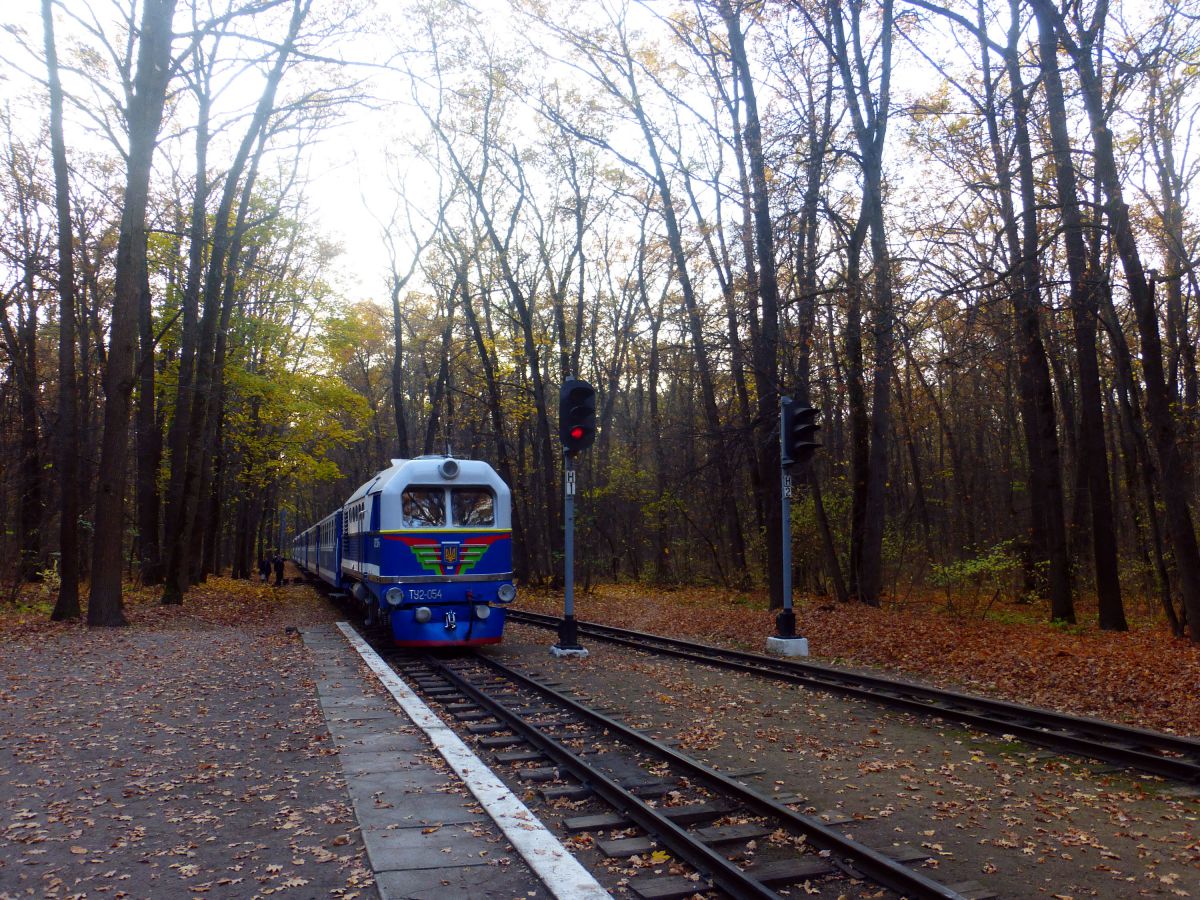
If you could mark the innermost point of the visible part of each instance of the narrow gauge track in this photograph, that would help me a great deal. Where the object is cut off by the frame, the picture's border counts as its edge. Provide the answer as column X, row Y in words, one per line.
column 611, row 761
column 1168, row 756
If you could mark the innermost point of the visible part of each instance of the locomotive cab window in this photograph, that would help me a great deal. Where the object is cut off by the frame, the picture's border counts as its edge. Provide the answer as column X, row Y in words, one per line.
column 472, row 506
column 424, row 507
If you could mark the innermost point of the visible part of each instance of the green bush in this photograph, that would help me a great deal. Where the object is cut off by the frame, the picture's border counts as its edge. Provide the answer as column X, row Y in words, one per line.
column 967, row 580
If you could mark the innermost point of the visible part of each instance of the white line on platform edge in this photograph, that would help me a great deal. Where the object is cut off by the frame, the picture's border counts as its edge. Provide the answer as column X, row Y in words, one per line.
column 562, row 874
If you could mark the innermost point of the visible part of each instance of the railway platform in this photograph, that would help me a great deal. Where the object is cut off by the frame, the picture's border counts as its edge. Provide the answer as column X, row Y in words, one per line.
column 433, row 818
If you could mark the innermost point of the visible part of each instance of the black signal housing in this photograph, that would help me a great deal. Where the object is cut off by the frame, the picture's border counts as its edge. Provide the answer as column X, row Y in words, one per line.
column 576, row 415
column 797, row 432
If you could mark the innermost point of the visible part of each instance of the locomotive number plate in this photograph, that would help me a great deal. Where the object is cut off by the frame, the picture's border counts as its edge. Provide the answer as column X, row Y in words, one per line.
column 418, row 595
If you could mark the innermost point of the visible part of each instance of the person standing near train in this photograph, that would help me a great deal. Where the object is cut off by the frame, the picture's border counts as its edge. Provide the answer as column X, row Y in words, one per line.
column 278, row 563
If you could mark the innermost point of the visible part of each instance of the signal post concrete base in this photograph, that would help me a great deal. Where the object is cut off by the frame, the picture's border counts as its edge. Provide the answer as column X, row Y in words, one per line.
column 568, row 637
column 791, row 646
column 577, row 652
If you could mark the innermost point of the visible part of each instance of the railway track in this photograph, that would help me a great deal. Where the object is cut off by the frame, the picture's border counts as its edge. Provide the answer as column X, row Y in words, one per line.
column 1167, row 756
column 658, row 799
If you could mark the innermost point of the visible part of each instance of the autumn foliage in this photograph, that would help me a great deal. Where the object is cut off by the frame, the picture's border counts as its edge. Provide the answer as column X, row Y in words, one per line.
column 1140, row 677
column 217, row 602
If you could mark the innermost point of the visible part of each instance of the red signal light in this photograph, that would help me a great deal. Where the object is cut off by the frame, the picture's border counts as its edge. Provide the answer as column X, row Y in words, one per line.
column 576, row 415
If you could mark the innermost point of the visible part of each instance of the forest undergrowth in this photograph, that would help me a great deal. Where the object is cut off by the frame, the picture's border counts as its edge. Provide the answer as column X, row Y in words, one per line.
column 217, row 602
column 1140, row 677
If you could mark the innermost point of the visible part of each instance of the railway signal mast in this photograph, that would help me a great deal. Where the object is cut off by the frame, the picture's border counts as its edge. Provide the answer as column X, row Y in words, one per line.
column 797, row 444
column 577, row 432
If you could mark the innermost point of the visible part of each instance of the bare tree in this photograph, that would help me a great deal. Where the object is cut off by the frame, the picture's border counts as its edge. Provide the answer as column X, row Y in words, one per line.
column 144, row 118
column 67, row 456
column 1079, row 43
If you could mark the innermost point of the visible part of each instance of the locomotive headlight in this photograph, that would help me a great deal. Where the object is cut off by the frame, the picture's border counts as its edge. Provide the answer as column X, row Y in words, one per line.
column 482, row 611
column 507, row 593
column 394, row 596
column 423, row 614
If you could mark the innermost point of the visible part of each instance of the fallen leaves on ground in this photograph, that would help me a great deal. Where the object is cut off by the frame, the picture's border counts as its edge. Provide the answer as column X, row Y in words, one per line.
column 184, row 754
column 1142, row 677
column 216, row 601
column 978, row 805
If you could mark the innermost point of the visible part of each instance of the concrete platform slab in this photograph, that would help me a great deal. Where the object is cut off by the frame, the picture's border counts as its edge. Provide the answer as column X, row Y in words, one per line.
column 349, row 731
column 421, row 825
column 384, row 741
column 361, row 763
column 335, row 714
column 352, row 700
column 490, row 882
column 430, row 847
column 415, row 809
column 396, row 785
column 342, row 689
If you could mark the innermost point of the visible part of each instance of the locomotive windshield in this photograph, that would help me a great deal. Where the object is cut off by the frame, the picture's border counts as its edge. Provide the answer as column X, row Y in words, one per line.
column 472, row 506
column 424, row 507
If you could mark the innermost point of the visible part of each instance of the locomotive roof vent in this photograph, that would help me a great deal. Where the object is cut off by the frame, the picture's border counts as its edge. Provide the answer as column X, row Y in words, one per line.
column 448, row 469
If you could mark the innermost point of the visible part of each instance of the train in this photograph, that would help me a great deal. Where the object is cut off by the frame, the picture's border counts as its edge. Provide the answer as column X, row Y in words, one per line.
column 423, row 548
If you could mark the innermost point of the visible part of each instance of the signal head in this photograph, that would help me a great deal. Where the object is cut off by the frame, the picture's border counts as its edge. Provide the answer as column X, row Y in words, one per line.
column 576, row 415
column 797, row 432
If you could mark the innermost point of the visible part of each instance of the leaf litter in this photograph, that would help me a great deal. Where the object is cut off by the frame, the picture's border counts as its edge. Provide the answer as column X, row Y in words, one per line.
column 1141, row 677
column 184, row 755
column 1014, row 817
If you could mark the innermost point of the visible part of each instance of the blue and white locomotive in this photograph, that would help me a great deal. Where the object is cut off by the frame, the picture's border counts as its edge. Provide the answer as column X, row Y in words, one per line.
column 425, row 547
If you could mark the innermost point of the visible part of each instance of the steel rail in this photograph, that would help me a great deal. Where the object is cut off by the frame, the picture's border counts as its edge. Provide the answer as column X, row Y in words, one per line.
column 677, row 840
column 852, row 857
column 1125, row 745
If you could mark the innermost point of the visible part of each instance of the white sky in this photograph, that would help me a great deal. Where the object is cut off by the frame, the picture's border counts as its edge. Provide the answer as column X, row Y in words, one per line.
column 348, row 185
column 344, row 167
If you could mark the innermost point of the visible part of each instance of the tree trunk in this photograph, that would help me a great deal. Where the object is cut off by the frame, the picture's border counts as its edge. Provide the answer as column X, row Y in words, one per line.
column 32, row 506
column 1092, row 457
column 869, row 110
column 67, row 444
column 178, row 433
column 1141, row 295
column 442, row 384
column 1166, row 126
column 766, row 343
column 712, row 416
column 194, row 447
column 21, row 347
column 149, row 447
column 856, row 401
column 522, row 566
column 402, row 447
column 1037, row 399
column 524, row 306
column 212, row 468
column 145, row 119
